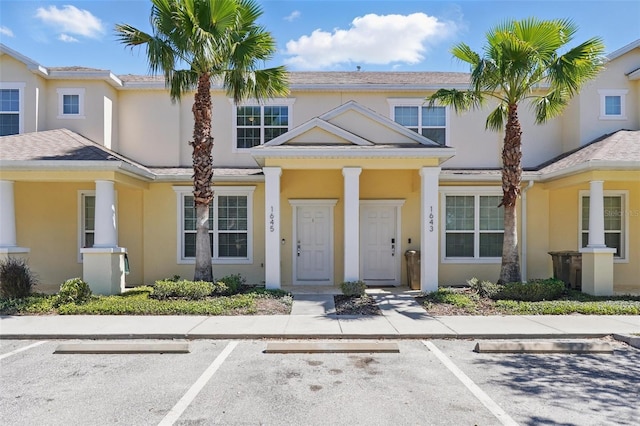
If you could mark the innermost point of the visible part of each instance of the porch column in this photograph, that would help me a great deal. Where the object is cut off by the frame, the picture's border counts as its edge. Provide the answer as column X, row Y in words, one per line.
column 8, row 241
column 351, row 223
column 597, row 259
column 272, row 227
column 103, row 265
column 429, row 230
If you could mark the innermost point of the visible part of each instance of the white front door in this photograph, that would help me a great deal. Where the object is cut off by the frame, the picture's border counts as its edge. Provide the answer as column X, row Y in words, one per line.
column 313, row 248
column 380, row 256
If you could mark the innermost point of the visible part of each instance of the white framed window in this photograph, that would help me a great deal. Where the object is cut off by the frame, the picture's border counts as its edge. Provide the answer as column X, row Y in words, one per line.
column 230, row 225
column 70, row 103
column 416, row 115
column 86, row 220
column 613, row 104
column 255, row 123
column 11, row 108
column 473, row 228
column 615, row 224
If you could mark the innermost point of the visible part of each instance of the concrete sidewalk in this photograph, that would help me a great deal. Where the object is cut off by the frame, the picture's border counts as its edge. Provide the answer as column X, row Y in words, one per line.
column 313, row 316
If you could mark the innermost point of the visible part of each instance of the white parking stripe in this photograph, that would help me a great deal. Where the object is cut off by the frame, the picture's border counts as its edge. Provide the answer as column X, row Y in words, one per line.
column 195, row 389
column 33, row 345
column 495, row 409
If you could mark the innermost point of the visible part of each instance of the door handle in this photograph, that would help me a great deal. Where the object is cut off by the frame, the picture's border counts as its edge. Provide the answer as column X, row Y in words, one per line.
column 299, row 249
column 393, row 247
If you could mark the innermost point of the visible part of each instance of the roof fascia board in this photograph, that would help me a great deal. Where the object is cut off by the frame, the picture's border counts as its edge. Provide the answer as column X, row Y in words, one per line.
column 86, row 166
column 593, row 165
column 328, row 152
column 462, row 176
column 624, row 49
column 107, row 76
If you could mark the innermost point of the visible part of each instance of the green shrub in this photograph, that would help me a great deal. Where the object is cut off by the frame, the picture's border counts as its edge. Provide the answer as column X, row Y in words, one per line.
column 483, row 288
column 533, row 291
column 74, row 291
column 231, row 284
column 16, row 279
column 182, row 289
column 353, row 288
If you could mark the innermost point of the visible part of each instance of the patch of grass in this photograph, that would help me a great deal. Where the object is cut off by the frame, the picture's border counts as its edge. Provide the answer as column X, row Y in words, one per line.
column 564, row 307
column 451, row 297
column 138, row 302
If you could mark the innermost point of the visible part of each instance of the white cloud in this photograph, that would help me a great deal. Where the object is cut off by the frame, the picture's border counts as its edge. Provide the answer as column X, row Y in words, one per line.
column 71, row 20
column 6, row 31
column 372, row 39
column 293, row 16
column 67, row 38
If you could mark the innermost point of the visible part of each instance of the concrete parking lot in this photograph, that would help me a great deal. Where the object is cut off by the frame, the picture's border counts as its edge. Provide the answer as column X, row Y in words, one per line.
column 437, row 382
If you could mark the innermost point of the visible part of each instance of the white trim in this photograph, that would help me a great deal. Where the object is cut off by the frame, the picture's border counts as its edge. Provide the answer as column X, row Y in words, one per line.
column 624, row 194
column 429, row 229
column 20, row 87
column 80, row 92
column 288, row 102
column 326, row 126
column 476, row 192
column 622, row 93
column 351, row 206
column 397, row 204
column 182, row 191
column 81, row 219
column 421, row 102
column 295, row 203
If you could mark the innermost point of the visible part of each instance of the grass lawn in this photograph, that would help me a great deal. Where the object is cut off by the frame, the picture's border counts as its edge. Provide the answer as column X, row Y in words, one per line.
column 138, row 302
column 465, row 301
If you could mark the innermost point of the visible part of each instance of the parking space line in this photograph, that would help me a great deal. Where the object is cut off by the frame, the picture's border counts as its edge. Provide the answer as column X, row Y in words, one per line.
column 494, row 408
column 177, row 410
column 33, row 345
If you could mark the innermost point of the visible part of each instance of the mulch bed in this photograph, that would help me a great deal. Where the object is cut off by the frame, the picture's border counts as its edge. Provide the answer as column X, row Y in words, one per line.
column 356, row 305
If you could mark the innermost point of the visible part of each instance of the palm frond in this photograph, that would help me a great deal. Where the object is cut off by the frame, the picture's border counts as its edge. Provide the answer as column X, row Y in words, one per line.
column 460, row 100
column 497, row 118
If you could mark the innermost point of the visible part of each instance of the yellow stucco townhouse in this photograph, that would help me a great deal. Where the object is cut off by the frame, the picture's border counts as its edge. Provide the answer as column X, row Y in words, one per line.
column 333, row 183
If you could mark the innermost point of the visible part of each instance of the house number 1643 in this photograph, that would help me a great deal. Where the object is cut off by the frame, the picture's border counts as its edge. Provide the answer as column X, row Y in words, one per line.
column 431, row 218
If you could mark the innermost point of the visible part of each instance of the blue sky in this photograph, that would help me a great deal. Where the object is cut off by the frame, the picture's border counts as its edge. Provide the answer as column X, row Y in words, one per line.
column 311, row 35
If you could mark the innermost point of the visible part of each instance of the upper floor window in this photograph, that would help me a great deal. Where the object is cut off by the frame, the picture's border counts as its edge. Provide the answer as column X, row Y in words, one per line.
column 613, row 104
column 11, row 115
column 473, row 226
column 614, row 222
column 230, row 225
column 70, row 103
column 430, row 122
column 258, row 123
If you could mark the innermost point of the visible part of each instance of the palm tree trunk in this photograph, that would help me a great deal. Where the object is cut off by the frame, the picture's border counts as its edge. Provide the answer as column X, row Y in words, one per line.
column 511, row 177
column 202, row 173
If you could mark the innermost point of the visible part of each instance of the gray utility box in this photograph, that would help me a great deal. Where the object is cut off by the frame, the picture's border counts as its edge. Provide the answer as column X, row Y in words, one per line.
column 413, row 268
column 567, row 266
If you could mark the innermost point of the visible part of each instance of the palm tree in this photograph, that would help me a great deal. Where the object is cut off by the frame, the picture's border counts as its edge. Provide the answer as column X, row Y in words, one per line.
column 197, row 41
column 522, row 63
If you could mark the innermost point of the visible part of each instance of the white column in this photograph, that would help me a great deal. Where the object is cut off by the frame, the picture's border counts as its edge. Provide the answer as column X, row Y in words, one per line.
column 272, row 226
column 7, row 215
column 8, row 240
column 106, row 232
column 429, row 230
column 596, row 214
column 351, row 223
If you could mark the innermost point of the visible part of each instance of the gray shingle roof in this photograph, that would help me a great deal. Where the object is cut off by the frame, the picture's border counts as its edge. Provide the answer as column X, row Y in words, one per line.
column 57, row 145
column 622, row 146
column 366, row 79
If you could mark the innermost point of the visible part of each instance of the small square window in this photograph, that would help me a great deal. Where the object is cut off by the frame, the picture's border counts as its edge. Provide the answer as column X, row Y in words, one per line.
column 612, row 104
column 71, row 103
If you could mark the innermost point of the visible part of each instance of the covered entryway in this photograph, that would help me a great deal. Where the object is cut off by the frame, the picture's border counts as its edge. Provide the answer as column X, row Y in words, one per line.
column 380, row 250
column 313, row 236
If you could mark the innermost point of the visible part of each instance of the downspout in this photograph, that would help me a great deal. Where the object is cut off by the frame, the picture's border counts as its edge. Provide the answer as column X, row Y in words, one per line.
column 523, row 268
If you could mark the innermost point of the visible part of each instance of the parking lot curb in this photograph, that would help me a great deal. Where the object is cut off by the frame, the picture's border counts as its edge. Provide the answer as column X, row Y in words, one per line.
column 628, row 339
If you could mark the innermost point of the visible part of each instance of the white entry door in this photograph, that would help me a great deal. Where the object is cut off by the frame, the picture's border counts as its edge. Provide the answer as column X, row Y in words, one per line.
column 380, row 255
column 313, row 255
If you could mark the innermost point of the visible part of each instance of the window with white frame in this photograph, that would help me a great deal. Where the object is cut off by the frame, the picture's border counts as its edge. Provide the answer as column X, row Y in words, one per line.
column 230, row 224
column 71, row 103
column 613, row 104
column 474, row 226
column 258, row 123
column 11, row 108
column 430, row 122
column 614, row 221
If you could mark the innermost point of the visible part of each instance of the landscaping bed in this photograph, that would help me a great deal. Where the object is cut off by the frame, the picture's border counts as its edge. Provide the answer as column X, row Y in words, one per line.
column 356, row 305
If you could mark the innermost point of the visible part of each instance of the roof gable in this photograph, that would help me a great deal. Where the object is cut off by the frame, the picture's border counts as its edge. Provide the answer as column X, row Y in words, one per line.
column 351, row 124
